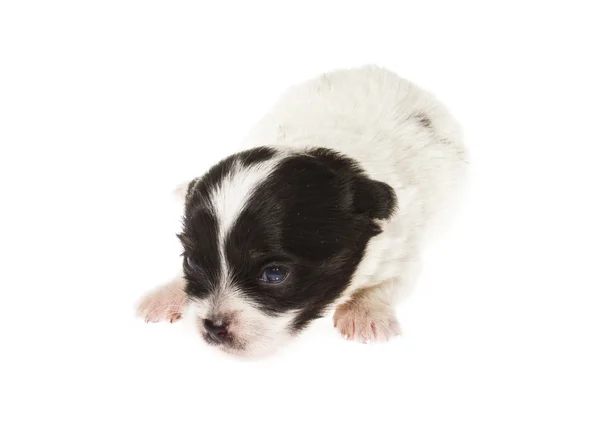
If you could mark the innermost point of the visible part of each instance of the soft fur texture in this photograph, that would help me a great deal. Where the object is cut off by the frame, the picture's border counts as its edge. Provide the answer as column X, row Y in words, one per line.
column 338, row 184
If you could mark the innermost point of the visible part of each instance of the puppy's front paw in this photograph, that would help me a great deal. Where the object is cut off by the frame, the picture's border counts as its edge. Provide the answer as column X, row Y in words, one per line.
column 365, row 323
column 164, row 304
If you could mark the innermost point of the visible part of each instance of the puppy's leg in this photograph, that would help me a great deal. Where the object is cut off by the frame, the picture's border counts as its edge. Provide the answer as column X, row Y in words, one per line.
column 166, row 303
column 370, row 314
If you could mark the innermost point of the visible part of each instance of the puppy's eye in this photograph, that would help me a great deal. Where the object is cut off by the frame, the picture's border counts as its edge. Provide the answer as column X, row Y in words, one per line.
column 274, row 275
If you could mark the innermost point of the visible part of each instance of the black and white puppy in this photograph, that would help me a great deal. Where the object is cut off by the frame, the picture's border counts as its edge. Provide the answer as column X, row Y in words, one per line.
column 325, row 209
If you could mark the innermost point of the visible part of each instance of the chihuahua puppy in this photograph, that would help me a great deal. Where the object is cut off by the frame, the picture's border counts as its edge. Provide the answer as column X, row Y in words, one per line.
column 326, row 208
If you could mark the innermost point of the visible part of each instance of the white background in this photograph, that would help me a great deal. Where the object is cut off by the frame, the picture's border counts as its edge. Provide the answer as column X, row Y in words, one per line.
column 106, row 106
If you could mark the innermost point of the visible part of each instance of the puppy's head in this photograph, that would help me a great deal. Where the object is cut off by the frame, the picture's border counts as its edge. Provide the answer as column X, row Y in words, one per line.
column 271, row 239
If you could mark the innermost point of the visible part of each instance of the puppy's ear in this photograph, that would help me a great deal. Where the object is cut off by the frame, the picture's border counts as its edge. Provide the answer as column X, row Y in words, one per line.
column 181, row 191
column 374, row 198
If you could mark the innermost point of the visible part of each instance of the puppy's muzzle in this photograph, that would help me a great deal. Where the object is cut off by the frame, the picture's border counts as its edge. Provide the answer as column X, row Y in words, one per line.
column 217, row 331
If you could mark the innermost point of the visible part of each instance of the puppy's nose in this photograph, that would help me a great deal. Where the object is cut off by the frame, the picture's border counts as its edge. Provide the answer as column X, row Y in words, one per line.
column 216, row 332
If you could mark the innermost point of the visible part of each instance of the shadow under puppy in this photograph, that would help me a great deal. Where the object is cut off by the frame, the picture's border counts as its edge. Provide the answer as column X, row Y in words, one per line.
column 326, row 207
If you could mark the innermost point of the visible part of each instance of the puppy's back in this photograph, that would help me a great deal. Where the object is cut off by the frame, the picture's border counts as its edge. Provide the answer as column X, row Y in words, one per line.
column 399, row 133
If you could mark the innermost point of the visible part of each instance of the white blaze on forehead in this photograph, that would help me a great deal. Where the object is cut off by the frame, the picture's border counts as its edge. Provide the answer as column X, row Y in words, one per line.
column 232, row 195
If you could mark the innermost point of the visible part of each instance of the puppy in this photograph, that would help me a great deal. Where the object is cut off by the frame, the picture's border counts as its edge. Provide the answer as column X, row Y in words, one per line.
column 327, row 207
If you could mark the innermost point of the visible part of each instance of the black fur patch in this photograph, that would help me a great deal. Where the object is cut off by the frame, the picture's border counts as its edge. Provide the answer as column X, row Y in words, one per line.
column 259, row 154
column 199, row 238
column 423, row 120
column 314, row 215
column 373, row 198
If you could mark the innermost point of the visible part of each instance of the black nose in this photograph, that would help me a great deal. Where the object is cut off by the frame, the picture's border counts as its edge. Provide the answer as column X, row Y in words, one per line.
column 217, row 332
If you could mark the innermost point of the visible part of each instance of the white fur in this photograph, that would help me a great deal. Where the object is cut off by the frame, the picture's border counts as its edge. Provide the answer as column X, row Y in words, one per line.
column 370, row 115
column 365, row 114
column 230, row 198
